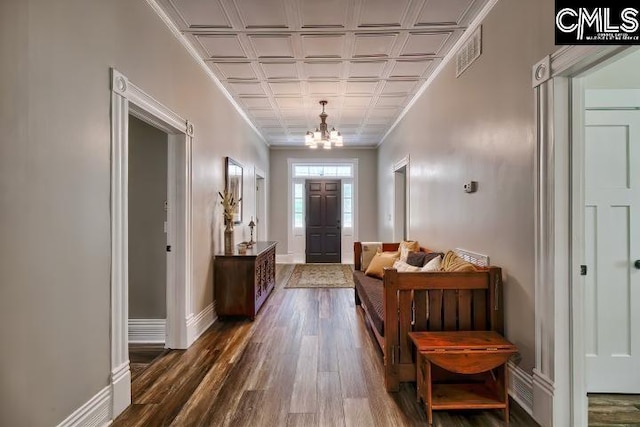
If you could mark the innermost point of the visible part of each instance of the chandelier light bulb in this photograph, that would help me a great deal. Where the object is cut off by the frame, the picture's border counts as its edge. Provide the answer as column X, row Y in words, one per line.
column 322, row 136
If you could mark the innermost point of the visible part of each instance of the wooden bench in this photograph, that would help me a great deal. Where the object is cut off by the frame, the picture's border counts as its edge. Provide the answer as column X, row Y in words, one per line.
column 436, row 301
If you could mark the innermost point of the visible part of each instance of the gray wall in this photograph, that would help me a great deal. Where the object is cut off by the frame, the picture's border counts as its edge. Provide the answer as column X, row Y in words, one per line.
column 147, row 239
column 55, row 187
column 367, row 189
column 479, row 127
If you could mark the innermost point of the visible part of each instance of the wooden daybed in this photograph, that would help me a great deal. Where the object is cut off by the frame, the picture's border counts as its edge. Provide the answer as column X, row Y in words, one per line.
column 436, row 301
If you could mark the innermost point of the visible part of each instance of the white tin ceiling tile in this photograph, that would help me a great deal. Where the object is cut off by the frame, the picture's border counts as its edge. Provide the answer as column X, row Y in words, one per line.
column 262, row 13
column 221, row 45
column 272, row 45
column 402, row 87
column 262, row 114
column 442, row 12
column 360, row 87
column 237, row 70
column 324, row 14
column 199, row 14
column 403, row 68
column 422, row 44
column 373, row 45
column 330, row 88
column 380, row 121
column 285, row 88
column 382, row 13
column 268, row 122
column 357, row 102
column 391, row 101
column 323, row 70
column 255, row 102
column 289, row 102
column 383, row 112
column 242, row 88
column 366, row 69
column 323, row 45
column 280, row 70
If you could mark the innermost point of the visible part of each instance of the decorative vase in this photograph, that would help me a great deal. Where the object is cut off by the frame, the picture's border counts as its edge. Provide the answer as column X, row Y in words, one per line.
column 228, row 238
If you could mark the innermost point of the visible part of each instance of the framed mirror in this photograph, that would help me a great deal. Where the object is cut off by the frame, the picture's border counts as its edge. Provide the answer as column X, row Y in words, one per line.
column 233, row 184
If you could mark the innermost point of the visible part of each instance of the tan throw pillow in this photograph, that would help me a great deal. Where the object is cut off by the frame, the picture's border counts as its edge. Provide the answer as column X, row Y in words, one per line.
column 379, row 262
column 403, row 267
column 453, row 262
column 369, row 249
column 406, row 247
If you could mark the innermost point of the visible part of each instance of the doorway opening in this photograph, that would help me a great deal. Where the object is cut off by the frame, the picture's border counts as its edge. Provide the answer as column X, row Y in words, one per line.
column 400, row 200
column 260, row 233
column 147, row 234
column 181, row 330
column 562, row 214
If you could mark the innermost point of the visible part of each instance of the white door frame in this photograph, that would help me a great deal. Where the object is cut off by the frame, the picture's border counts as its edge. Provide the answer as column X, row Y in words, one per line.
column 261, row 205
column 402, row 163
column 558, row 377
column 127, row 98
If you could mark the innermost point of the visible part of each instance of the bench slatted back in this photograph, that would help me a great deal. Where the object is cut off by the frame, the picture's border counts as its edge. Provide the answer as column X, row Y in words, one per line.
column 440, row 301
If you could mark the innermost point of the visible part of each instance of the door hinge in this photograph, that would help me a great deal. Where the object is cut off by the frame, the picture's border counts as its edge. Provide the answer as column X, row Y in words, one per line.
column 583, row 270
column 168, row 248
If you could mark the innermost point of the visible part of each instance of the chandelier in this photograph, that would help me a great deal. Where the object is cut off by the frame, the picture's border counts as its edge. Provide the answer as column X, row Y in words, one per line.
column 321, row 136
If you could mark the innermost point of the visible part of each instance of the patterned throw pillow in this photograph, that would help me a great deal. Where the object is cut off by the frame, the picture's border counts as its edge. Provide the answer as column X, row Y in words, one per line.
column 379, row 262
column 453, row 262
column 369, row 249
column 403, row 267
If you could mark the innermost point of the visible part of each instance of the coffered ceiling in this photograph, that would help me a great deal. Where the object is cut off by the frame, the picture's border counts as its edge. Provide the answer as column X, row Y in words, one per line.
column 279, row 58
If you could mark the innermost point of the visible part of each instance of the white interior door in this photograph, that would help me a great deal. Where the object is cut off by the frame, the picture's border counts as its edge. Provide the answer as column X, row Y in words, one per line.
column 612, row 245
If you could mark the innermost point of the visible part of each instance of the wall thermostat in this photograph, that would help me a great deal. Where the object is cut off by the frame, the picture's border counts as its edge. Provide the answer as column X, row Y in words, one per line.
column 471, row 187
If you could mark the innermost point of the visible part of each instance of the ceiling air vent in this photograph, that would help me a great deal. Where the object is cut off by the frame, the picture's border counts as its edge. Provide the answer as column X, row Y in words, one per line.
column 469, row 52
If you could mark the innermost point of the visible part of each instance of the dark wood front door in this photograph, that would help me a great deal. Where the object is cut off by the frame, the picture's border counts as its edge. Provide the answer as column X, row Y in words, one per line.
column 323, row 221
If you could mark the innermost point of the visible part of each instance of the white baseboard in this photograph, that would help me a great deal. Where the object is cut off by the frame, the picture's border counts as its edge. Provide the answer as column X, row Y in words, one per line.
column 521, row 387
column 196, row 325
column 147, row 330
column 120, row 389
column 95, row 413
column 284, row 258
column 543, row 391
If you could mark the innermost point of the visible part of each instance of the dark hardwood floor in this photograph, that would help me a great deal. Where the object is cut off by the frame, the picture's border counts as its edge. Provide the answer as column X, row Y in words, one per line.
column 307, row 360
column 620, row 410
column 143, row 355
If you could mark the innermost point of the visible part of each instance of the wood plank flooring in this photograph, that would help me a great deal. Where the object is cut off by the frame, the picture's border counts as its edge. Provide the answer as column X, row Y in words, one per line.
column 620, row 410
column 307, row 360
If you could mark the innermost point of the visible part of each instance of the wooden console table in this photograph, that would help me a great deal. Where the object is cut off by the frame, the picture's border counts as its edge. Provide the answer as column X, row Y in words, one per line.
column 242, row 283
column 467, row 353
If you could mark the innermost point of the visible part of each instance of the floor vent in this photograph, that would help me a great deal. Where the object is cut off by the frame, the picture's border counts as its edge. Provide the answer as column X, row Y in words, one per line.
column 469, row 52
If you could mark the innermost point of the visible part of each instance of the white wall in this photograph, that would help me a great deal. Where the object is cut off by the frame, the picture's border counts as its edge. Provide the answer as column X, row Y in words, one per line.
column 479, row 127
column 55, row 187
column 367, row 189
column 622, row 73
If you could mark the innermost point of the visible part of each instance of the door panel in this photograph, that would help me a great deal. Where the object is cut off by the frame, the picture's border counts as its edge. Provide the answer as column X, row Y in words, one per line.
column 612, row 224
column 323, row 231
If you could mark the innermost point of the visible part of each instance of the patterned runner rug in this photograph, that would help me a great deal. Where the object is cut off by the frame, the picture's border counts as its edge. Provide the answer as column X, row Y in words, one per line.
column 321, row 276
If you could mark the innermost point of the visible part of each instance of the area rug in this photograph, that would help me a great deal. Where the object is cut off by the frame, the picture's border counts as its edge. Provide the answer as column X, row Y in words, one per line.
column 320, row 276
